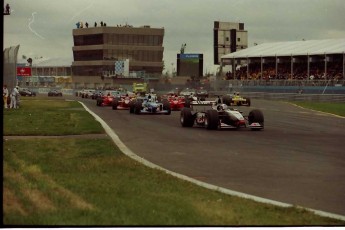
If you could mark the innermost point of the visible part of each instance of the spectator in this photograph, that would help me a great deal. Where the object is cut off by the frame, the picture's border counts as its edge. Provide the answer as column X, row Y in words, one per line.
column 7, row 8
column 14, row 98
column 86, row 25
column 95, row 24
column 81, row 25
column 101, row 23
column 78, row 25
column 5, row 95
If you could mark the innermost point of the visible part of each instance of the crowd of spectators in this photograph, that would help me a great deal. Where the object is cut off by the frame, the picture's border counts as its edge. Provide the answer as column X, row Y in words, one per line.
column 334, row 71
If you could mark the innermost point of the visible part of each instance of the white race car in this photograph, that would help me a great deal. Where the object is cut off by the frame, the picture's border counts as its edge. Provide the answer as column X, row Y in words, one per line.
column 216, row 115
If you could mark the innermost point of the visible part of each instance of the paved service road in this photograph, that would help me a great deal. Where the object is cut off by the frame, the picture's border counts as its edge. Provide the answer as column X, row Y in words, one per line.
column 298, row 159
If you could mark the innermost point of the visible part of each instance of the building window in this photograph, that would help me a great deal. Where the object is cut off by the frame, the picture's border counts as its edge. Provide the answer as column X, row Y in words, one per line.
column 238, row 39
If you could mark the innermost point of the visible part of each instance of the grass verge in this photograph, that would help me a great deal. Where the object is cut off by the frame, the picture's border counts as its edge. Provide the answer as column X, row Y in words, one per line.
column 334, row 108
column 77, row 181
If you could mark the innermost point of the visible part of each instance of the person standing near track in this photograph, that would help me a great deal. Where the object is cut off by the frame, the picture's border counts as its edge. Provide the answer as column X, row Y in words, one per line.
column 14, row 96
column 5, row 95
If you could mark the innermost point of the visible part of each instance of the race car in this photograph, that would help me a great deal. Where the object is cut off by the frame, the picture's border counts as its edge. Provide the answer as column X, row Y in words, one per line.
column 202, row 94
column 215, row 115
column 107, row 98
column 236, row 99
column 149, row 105
column 176, row 102
column 26, row 92
column 122, row 102
column 187, row 92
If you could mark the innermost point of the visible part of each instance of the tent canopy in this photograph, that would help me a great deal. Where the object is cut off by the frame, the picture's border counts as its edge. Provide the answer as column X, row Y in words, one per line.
column 292, row 48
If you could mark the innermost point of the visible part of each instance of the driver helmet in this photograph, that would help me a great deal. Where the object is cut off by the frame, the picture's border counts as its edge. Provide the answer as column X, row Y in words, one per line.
column 222, row 107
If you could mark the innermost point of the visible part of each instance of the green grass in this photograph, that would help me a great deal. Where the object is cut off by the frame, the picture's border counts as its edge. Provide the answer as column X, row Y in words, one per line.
column 77, row 181
column 335, row 108
column 49, row 117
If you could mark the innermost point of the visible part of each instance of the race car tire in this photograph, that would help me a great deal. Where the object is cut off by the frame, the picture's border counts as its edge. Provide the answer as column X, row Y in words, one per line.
column 212, row 119
column 99, row 102
column 114, row 104
column 187, row 103
column 247, row 101
column 186, row 117
column 256, row 116
column 166, row 106
column 227, row 100
column 131, row 107
column 138, row 107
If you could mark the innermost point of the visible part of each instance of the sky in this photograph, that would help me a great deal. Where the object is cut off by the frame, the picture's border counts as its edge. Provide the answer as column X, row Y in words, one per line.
column 43, row 28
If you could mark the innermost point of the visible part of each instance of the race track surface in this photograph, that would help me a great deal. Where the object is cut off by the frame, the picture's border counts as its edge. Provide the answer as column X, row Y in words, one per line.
column 299, row 158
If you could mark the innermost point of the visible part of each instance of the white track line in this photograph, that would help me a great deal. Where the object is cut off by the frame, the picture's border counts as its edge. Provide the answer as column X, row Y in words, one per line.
column 132, row 155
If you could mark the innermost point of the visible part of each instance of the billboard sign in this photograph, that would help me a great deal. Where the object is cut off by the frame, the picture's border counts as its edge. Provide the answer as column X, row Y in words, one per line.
column 24, row 71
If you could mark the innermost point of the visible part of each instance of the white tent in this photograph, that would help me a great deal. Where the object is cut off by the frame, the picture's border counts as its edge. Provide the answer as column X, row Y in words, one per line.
column 292, row 48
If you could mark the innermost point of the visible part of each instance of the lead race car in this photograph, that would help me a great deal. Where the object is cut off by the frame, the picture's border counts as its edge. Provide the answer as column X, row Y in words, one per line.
column 216, row 115
column 149, row 104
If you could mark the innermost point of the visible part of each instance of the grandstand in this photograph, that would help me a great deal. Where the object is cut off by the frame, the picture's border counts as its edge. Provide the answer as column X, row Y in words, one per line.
column 317, row 63
column 314, row 59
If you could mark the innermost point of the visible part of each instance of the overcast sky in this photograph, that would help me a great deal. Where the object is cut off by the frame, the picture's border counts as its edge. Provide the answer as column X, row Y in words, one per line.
column 44, row 28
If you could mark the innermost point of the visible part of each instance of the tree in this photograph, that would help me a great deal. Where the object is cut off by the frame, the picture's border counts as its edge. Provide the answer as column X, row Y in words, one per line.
column 29, row 60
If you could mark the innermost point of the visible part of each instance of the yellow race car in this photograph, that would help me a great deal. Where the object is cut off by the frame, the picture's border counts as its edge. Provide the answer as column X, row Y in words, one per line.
column 236, row 99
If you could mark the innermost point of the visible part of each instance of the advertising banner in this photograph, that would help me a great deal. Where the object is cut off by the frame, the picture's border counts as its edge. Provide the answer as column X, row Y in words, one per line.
column 24, row 71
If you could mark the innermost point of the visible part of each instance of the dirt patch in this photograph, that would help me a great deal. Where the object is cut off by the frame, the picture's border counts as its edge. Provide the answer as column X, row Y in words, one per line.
column 11, row 203
column 39, row 199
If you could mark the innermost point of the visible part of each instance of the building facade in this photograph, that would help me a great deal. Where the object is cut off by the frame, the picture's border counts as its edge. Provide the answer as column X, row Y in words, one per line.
column 228, row 37
column 96, row 50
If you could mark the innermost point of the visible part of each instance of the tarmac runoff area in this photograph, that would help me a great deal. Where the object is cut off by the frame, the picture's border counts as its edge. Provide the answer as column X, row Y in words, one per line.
column 131, row 154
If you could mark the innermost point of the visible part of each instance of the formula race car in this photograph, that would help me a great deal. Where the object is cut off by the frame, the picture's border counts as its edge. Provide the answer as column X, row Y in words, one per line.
column 122, row 102
column 202, row 94
column 216, row 115
column 26, row 92
column 176, row 102
column 149, row 105
column 236, row 99
column 187, row 92
column 55, row 93
column 105, row 100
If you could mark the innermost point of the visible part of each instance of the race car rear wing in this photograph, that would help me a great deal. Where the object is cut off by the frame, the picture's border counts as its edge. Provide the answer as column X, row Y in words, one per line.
column 202, row 106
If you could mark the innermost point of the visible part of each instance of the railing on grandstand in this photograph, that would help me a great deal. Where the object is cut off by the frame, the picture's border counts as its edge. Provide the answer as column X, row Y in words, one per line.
column 282, row 82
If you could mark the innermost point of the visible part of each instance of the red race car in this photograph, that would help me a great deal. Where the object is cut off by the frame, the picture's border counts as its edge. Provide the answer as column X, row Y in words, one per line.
column 105, row 100
column 107, row 97
column 122, row 102
column 176, row 102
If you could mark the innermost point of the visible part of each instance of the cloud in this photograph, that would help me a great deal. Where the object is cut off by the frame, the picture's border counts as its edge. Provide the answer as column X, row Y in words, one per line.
column 185, row 21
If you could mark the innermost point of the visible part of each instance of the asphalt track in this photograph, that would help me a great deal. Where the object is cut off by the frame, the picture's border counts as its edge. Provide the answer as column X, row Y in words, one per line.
column 299, row 158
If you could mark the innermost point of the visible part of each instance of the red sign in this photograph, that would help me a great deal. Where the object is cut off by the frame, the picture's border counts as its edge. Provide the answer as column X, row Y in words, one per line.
column 24, row 71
